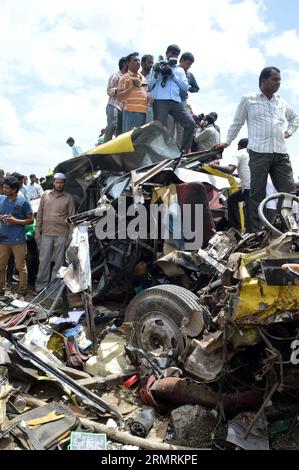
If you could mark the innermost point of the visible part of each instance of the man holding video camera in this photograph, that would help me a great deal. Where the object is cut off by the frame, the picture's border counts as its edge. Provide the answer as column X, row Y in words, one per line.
column 166, row 82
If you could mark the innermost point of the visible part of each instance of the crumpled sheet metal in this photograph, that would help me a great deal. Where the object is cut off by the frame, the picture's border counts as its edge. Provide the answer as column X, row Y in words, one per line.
column 151, row 143
column 258, row 303
column 45, row 430
column 283, row 242
column 275, row 250
column 194, row 324
column 258, row 437
column 90, row 398
column 5, row 391
column 77, row 276
column 172, row 262
column 206, row 359
column 191, row 176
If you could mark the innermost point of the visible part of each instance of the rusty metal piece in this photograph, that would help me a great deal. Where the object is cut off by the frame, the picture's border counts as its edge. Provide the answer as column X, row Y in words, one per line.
column 170, row 391
column 146, row 396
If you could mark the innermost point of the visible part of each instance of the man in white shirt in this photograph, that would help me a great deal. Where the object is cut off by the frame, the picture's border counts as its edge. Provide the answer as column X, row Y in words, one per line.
column 238, row 162
column 206, row 135
column 265, row 114
column 34, row 190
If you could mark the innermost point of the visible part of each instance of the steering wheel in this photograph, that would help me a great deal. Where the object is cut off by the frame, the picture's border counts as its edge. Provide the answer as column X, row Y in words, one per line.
column 287, row 203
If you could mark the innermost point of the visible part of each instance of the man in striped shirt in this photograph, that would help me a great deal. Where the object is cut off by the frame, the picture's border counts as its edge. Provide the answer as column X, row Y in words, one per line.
column 265, row 114
column 114, row 107
column 132, row 89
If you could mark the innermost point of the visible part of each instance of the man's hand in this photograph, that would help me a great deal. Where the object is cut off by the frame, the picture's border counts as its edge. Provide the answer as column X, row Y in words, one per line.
column 37, row 233
column 10, row 219
column 137, row 82
column 169, row 70
column 37, row 238
column 150, row 99
column 294, row 267
column 220, row 146
column 287, row 135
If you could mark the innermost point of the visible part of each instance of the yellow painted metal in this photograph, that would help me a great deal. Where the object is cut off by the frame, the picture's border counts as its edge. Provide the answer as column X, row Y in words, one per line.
column 257, row 302
column 166, row 193
column 233, row 188
column 33, row 423
column 233, row 183
column 122, row 144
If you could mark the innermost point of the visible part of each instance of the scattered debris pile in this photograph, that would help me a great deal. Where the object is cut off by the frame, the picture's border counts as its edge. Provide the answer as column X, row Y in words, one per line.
column 192, row 348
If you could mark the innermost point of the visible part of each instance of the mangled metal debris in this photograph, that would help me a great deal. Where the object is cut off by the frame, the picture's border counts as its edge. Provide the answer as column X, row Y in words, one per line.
column 85, row 394
column 209, row 329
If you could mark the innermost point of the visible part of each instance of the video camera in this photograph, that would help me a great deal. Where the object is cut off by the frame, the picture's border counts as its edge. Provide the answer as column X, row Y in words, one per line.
column 164, row 67
column 198, row 119
column 206, row 119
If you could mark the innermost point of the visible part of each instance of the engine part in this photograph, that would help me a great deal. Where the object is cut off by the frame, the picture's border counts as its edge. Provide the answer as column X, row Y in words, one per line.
column 222, row 244
column 140, row 352
column 143, row 423
column 217, row 252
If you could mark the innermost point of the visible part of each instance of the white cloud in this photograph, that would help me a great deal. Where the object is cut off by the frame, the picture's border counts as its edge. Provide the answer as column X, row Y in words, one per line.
column 285, row 44
column 10, row 130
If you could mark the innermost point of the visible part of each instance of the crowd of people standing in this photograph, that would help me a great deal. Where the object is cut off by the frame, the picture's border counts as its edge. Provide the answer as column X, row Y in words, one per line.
column 34, row 231
column 36, row 220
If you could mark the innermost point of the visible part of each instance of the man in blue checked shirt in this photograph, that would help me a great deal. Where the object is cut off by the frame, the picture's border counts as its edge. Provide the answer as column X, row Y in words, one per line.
column 15, row 213
column 167, row 99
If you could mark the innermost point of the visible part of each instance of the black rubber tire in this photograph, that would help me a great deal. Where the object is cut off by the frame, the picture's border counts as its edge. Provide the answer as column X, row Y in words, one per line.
column 173, row 301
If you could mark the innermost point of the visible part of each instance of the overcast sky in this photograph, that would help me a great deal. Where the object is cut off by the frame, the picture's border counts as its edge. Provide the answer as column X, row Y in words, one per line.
column 56, row 57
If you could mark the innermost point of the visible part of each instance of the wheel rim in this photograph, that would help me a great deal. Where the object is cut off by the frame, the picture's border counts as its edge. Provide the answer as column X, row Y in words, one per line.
column 160, row 335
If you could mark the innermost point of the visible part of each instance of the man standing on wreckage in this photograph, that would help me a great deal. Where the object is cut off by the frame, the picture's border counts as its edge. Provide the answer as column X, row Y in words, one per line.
column 265, row 114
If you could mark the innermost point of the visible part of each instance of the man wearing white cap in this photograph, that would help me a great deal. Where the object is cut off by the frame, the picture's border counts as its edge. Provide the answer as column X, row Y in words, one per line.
column 52, row 230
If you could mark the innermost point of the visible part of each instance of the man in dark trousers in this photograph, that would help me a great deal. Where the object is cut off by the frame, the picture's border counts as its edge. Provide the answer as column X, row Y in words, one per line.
column 53, row 232
column 265, row 114
column 15, row 213
column 166, row 86
column 239, row 162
